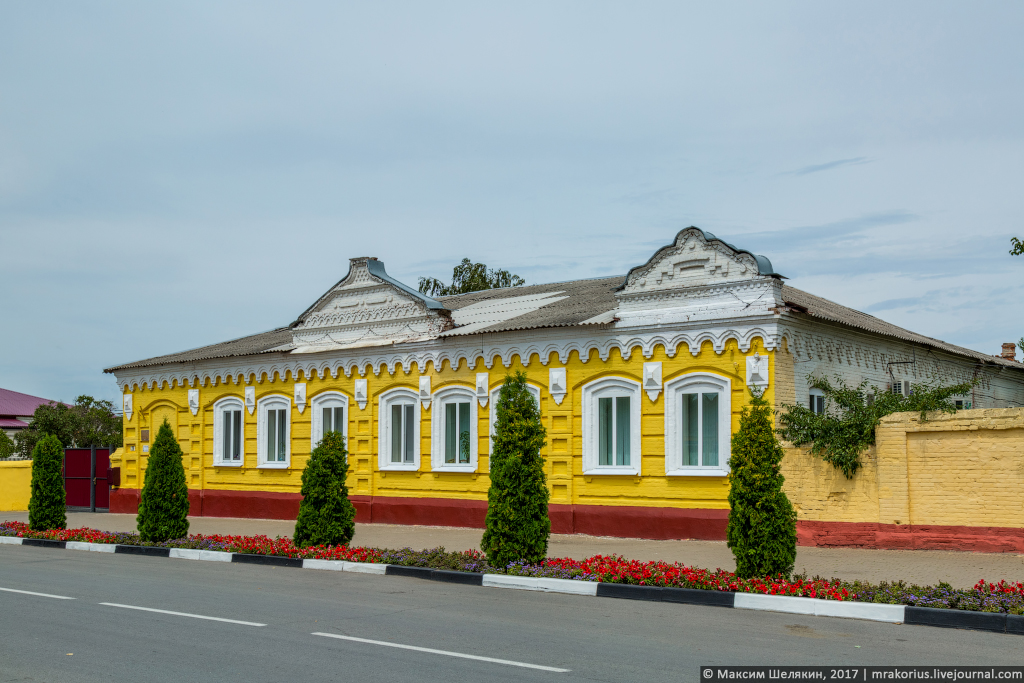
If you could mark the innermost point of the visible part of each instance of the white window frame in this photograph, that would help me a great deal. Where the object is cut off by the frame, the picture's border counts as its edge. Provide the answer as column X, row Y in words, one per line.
column 492, row 402
column 316, row 428
column 610, row 387
column 815, row 394
column 230, row 403
column 276, row 402
column 457, row 394
column 687, row 384
column 384, row 403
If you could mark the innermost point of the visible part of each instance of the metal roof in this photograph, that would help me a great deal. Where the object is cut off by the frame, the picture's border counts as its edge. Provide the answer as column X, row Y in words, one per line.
column 15, row 404
column 566, row 304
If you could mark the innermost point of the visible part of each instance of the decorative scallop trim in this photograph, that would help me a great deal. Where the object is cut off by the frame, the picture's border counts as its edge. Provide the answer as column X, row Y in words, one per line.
column 255, row 368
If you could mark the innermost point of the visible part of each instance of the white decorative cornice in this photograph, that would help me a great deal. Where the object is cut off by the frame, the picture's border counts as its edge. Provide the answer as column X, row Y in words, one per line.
column 494, row 348
column 652, row 379
column 557, row 384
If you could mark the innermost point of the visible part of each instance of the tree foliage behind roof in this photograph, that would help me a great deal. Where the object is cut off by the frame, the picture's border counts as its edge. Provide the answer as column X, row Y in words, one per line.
column 847, row 427
column 86, row 423
column 470, row 277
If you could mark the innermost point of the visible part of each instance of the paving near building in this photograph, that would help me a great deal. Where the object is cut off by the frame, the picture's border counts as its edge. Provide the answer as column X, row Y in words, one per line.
column 960, row 569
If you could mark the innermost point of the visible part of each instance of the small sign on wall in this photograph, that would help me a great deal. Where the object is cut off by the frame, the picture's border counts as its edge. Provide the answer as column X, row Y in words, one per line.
column 144, row 436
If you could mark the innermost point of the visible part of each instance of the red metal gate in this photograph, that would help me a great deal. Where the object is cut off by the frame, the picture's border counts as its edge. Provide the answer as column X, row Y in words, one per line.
column 85, row 478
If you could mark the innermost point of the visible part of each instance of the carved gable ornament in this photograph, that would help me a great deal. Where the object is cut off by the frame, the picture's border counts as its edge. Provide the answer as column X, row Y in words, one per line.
column 368, row 308
column 695, row 259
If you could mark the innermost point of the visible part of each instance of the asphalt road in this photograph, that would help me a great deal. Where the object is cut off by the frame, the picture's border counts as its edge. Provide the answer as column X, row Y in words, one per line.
column 51, row 639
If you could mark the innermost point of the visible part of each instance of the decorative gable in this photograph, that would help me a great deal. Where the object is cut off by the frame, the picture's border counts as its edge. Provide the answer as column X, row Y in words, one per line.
column 697, row 277
column 695, row 259
column 368, row 308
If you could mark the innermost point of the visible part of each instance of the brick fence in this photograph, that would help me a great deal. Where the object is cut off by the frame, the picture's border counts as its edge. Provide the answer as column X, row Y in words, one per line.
column 952, row 482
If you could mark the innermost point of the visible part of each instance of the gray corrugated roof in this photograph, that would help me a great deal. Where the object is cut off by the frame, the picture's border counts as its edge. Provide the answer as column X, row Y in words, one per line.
column 824, row 309
column 243, row 346
column 579, row 301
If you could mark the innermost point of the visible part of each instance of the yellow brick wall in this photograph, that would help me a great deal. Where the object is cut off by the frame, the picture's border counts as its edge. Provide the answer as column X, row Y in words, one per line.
column 954, row 470
column 15, row 484
column 563, row 423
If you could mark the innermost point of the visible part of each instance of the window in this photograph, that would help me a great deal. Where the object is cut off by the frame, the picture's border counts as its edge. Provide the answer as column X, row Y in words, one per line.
column 611, row 427
column 453, row 434
column 330, row 411
column 273, row 433
column 698, row 415
column 817, row 401
column 399, row 437
column 228, row 433
column 493, row 406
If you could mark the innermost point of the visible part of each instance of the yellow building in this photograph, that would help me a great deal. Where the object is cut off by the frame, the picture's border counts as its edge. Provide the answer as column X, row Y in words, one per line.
column 640, row 380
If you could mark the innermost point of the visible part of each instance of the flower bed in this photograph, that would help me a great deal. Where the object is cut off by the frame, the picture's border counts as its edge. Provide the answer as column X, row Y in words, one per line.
column 1002, row 597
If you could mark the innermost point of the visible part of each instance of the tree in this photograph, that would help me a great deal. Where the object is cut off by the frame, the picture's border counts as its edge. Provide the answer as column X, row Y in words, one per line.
column 55, row 419
column 7, row 446
column 517, row 523
column 46, row 507
column 470, row 277
column 326, row 515
column 86, row 423
column 847, row 427
column 163, row 505
column 762, row 522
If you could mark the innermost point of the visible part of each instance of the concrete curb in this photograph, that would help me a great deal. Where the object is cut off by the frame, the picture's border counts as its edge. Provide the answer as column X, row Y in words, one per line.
column 893, row 614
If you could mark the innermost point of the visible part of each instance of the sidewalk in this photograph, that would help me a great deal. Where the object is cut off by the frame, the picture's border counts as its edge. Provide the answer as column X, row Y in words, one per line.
column 962, row 570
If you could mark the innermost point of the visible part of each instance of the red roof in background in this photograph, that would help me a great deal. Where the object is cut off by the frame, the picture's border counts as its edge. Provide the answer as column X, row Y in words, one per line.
column 14, row 404
column 11, row 423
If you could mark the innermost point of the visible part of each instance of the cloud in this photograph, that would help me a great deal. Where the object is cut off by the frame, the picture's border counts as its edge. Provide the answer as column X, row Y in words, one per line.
column 828, row 166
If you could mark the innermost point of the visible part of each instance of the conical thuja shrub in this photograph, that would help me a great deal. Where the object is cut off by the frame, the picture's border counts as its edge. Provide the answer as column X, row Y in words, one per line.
column 762, row 523
column 326, row 515
column 163, row 505
column 517, row 524
column 46, row 507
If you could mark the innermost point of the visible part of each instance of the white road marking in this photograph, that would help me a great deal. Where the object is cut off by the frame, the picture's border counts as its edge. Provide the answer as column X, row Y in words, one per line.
column 42, row 595
column 182, row 614
column 443, row 652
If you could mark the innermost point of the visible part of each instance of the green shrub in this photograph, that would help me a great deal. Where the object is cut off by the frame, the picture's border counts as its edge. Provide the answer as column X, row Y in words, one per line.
column 762, row 523
column 46, row 508
column 326, row 515
column 517, row 502
column 163, row 505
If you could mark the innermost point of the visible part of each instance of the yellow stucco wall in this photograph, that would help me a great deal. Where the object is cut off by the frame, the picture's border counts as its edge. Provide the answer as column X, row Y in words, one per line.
column 563, row 423
column 965, row 469
column 15, row 484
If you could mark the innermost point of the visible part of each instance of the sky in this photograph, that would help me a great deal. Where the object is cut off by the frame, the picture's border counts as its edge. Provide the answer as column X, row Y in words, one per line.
column 178, row 174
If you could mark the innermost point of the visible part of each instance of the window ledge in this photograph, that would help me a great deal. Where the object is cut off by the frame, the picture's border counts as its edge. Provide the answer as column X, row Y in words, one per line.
column 228, row 464
column 613, row 471
column 709, row 472
column 455, row 468
column 274, row 465
column 399, row 467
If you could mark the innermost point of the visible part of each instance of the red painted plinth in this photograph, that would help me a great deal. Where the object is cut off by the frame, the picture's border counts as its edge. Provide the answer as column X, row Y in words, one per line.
column 985, row 539
column 597, row 520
